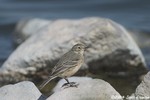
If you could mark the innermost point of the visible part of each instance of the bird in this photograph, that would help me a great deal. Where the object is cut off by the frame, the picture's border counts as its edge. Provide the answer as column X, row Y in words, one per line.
column 68, row 65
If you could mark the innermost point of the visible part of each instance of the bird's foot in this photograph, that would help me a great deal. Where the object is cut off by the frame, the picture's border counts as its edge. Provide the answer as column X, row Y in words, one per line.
column 71, row 84
column 74, row 84
column 66, row 84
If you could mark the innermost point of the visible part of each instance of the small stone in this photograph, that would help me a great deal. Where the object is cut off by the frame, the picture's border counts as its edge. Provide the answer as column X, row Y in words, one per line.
column 21, row 91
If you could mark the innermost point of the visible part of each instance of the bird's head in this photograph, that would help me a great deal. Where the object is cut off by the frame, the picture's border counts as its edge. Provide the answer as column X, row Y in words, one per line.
column 79, row 48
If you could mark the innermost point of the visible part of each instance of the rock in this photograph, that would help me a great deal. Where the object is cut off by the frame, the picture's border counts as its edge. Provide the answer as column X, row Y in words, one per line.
column 110, row 47
column 21, row 91
column 27, row 27
column 88, row 89
column 143, row 90
column 71, row 79
column 143, row 41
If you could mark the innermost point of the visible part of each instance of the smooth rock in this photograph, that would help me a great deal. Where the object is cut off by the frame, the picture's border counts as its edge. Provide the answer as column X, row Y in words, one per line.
column 110, row 47
column 88, row 89
column 21, row 91
column 59, row 85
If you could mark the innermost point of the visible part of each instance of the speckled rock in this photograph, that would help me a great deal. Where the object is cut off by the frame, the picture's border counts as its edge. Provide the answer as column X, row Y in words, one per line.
column 110, row 47
column 88, row 89
column 21, row 91
column 143, row 90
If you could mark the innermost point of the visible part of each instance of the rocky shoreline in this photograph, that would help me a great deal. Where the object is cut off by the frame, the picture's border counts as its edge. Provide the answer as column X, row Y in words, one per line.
column 88, row 88
column 40, row 43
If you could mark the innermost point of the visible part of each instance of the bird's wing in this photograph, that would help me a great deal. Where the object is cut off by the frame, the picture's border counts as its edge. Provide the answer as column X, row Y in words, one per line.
column 64, row 67
column 65, row 63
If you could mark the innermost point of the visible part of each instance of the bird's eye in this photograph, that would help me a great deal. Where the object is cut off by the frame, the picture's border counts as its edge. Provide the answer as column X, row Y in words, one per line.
column 79, row 47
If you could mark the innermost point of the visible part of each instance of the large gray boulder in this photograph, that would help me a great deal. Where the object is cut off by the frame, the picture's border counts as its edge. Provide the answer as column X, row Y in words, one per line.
column 27, row 27
column 110, row 47
column 88, row 89
column 21, row 91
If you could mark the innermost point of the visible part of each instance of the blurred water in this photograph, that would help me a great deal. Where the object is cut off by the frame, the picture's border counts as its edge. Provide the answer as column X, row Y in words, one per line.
column 133, row 14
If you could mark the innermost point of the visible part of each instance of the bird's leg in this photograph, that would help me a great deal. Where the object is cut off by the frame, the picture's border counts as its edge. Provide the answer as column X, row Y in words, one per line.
column 71, row 84
column 67, row 81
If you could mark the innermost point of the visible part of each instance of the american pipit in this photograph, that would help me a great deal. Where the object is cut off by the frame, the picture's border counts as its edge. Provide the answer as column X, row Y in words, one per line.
column 68, row 65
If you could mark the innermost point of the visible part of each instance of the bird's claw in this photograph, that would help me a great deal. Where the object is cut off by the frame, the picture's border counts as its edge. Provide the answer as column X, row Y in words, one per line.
column 71, row 84
column 74, row 84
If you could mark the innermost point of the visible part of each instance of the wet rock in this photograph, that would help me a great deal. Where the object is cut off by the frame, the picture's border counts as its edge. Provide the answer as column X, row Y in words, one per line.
column 88, row 89
column 110, row 47
column 21, row 91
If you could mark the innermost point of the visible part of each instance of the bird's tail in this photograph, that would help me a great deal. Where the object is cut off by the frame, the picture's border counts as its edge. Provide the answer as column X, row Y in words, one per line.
column 45, row 82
